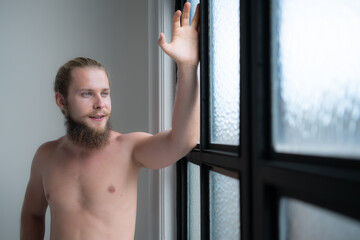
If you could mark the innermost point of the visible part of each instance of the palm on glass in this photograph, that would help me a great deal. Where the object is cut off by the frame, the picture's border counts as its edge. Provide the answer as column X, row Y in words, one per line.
column 183, row 48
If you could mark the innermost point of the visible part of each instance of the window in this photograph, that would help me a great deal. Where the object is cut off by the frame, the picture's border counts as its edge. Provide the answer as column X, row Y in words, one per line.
column 279, row 154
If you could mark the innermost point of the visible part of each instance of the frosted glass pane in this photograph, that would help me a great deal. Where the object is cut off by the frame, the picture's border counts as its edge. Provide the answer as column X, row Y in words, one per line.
column 194, row 228
column 224, row 71
column 224, row 207
column 303, row 221
column 316, row 76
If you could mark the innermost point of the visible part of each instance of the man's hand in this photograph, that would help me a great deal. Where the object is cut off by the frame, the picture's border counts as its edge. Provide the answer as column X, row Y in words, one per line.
column 184, row 46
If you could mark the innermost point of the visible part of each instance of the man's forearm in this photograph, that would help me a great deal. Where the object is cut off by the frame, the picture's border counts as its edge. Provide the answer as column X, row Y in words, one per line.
column 32, row 228
column 186, row 115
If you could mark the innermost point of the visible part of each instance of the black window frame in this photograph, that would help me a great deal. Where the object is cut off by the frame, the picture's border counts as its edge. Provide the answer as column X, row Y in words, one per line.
column 265, row 175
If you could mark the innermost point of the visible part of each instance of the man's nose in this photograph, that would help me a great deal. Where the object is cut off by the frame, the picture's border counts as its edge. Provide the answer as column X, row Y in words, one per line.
column 99, row 102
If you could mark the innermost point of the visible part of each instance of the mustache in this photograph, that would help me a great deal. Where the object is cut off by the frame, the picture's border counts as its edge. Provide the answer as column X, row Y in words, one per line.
column 105, row 113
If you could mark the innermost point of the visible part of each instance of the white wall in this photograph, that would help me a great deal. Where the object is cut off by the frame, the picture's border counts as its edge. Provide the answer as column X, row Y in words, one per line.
column 36, row 37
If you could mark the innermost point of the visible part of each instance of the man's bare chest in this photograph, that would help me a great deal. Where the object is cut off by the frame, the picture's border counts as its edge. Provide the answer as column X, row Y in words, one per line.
column 89, row 183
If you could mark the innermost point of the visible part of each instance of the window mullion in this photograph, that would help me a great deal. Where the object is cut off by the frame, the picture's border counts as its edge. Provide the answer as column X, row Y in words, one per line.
column 182, row 199
column 204, row 75
column 204, row 189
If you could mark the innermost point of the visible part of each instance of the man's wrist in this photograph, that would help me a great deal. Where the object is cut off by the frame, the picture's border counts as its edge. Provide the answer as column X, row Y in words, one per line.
column 187, row 67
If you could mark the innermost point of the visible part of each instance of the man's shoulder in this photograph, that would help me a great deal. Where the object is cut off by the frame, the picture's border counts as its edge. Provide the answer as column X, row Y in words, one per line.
column 44, row 152
column 48, row 147
column 133, row 136
column 131, row 140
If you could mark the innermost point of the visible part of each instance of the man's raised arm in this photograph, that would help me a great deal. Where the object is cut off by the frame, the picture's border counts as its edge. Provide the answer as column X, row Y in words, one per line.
column 167, row 147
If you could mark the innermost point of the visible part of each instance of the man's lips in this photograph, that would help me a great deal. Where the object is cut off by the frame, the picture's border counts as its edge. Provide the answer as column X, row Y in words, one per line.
column 98, row 117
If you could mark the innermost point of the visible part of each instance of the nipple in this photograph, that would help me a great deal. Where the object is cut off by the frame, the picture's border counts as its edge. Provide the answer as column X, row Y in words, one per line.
column 111, row 189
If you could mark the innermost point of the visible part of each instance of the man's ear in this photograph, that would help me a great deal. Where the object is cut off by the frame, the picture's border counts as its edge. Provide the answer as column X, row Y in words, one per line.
column 60, row 101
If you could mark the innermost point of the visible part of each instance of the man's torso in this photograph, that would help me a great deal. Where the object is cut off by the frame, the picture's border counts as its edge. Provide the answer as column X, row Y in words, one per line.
column 91, row 196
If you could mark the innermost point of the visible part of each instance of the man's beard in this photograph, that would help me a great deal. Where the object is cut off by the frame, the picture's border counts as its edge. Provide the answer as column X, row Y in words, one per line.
column 83, row 136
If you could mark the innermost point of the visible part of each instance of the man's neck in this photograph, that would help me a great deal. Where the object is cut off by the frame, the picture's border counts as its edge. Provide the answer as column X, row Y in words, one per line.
column 78, row 150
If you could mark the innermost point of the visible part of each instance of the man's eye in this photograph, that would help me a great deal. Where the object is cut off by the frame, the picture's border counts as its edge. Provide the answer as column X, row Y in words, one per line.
column 105, row 93
column 86, row 94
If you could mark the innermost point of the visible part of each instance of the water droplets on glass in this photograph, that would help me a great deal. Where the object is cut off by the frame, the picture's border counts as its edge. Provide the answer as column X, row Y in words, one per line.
column 316, row 76
column 224, row 31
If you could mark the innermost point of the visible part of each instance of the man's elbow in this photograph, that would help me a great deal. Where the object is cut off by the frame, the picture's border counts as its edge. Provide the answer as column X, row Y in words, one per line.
column 32, row 226
column 184, row 143
column 32, row 217
column 194, row 140
column 189, row 144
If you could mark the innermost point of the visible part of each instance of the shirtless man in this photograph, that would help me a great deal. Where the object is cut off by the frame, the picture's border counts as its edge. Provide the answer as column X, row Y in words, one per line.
column 88, row 177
